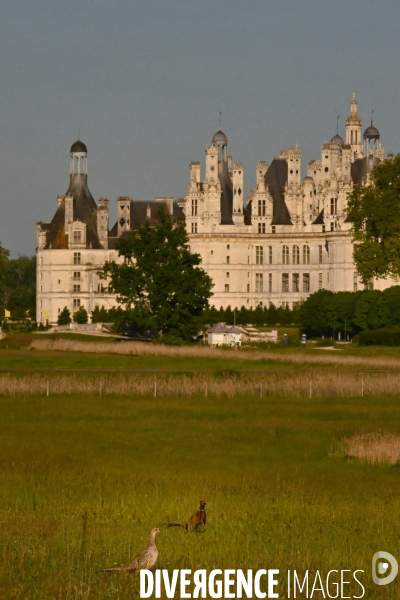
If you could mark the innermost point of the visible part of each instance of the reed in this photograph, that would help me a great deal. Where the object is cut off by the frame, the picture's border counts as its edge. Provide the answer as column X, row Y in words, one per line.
column 148, row 349
column 382, row 448
column 301, row 384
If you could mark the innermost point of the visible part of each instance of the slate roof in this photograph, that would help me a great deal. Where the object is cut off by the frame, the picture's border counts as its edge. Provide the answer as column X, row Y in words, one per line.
column 84, row 210
column 224, row 329
column 276, row 178
column 227, row 195
column 320, row 219
column 359, row 169
column 247, row 213
column 138, row 214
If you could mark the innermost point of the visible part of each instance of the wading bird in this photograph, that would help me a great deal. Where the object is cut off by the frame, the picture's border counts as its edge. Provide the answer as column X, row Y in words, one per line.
column 146, row 560
column 198, row 518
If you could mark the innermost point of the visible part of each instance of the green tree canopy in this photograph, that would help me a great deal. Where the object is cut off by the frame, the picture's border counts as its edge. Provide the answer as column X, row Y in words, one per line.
column 81, row 316
column 315, row 314
column 19, row 289
column 64, row 318
column 367, row 310
column 160, row 281
column 374, row 211
column 4, row 254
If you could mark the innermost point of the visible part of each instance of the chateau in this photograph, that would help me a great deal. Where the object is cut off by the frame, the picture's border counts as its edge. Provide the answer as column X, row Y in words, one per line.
column 289, row 239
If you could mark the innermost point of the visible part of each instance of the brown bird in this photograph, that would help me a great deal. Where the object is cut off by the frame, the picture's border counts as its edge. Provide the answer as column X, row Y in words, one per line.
column 146, row 560
column 198, row 518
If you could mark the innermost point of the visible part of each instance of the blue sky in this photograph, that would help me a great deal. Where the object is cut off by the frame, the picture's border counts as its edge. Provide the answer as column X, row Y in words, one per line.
column 145, row 81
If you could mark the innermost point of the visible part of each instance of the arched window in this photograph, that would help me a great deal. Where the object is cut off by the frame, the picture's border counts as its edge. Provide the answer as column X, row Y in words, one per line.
column 285, row 255
column 296, row 255
column 306, row 255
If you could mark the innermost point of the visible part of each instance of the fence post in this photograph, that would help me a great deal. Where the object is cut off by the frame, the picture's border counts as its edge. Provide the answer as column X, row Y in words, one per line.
column 101, row 386
column 362, row 385
column 310, row 388
column 261, row 391
column 155, row 389
column 48, row 388
column 206, row 390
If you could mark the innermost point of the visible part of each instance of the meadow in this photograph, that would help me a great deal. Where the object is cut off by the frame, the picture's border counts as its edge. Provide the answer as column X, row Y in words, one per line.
column 85, row 477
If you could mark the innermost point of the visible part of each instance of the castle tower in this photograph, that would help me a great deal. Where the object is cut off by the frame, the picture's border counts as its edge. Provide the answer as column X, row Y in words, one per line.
column 212, row 164
column 353, row 130
column 372, row 147
column 220, row 140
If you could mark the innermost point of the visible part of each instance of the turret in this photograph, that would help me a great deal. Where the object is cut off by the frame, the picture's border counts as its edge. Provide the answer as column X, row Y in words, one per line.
column 212, row 164
column 78, row 161
column 353, row 130
column 372, row 147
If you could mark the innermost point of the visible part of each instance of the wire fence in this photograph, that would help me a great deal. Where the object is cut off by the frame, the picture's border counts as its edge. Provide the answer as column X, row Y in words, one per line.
column 261, row 384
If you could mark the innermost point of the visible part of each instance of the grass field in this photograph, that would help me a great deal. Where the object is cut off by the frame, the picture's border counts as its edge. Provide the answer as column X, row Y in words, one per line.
column 84, row 478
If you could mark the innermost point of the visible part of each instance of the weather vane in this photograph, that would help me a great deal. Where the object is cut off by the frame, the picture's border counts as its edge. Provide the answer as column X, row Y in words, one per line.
column 220, row 113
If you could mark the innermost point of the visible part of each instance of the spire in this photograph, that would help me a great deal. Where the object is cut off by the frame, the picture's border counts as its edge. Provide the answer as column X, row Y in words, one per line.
column 353, row 104
column 337, row 125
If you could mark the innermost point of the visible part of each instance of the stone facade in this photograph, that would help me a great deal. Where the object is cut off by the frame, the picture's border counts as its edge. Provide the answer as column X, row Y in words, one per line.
column 288, row 239
column 291, row 238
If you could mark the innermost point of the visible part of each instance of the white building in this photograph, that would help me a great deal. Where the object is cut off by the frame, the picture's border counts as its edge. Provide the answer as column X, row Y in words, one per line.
column 287, row 240
column 76, row 244
column 224, row 335
column 291, row 238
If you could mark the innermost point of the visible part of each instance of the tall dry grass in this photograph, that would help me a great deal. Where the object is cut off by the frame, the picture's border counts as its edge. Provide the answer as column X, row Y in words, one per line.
column 373, row 448
column 279, row 384
column 146, row 349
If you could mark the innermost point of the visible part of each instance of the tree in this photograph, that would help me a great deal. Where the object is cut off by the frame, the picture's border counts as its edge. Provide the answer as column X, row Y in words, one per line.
column 81, row 316
column 367, row 310
column 389, row 306
column 374, row 211
column 100, row 315
column 315, row 314
column 4, row 254
column 160, row 282
column 64, row 318
column 20, row 286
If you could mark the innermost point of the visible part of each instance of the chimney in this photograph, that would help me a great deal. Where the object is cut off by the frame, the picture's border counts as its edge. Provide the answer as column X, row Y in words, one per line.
column 102, row 222
column 69, row 212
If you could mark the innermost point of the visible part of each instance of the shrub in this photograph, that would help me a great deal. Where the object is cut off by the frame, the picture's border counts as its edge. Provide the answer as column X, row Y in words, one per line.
column 379, row 337
column 64, row 318
column 81, row 316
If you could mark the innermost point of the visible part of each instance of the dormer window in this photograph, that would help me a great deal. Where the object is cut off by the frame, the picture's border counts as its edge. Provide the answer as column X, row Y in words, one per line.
column 77, row 237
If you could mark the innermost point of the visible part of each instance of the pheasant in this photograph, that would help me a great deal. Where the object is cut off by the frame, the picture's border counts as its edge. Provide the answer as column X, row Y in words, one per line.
column 146, row 560
column 197, row 518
